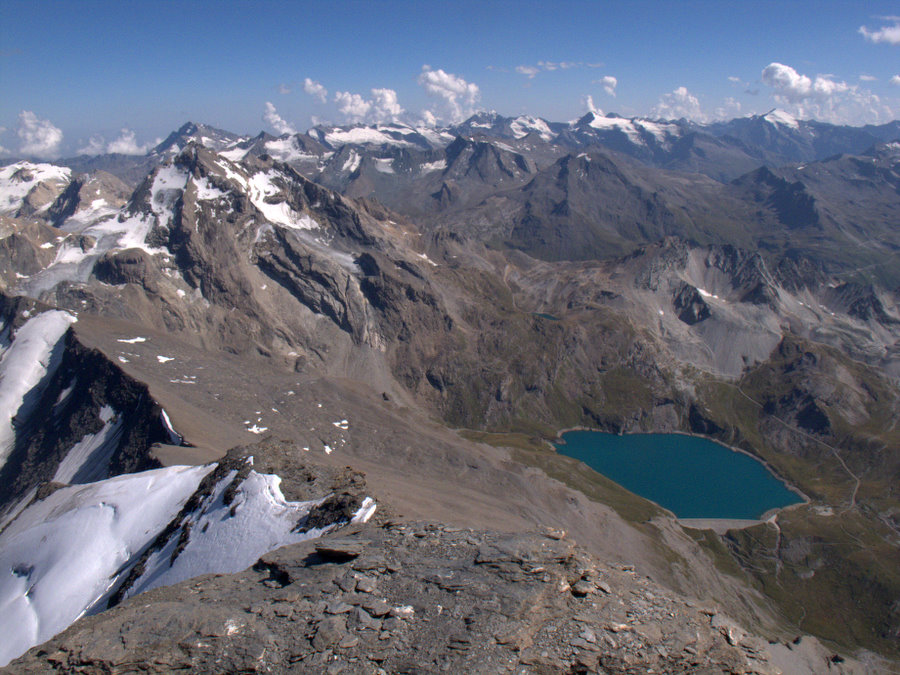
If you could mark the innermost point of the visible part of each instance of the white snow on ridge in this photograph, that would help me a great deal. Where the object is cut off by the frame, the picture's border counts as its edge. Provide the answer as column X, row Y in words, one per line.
column 261, row 187
column 660, row 131
column 206, row 191
column 228, row 538
column 780, row 117
column 286, row 150
column 128, row 230
column 352, row 163
column 623, row 125
column 362, row 136
column 14, row 188
column 88, row 460
column 62, row 554
column 24, row 363
column 524, row 125
column 174, row 437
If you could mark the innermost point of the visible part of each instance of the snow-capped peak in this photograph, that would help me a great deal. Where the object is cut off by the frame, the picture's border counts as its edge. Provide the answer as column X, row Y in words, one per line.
column 779, row 117
column 20, row 178
column 524, row 124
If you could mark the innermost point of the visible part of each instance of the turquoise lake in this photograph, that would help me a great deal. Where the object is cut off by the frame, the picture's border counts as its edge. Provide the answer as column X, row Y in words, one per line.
column 692, row 477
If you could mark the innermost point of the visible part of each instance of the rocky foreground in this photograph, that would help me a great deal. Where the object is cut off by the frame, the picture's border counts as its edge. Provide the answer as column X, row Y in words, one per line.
column 413, row 597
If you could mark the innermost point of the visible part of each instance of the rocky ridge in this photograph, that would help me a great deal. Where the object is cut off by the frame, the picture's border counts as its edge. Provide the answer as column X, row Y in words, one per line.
column 409, row 597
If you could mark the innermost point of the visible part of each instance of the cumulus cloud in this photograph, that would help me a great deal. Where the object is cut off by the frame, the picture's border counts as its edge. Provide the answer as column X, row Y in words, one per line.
column 352, row 106
column 587, row 103
column 3, row 151
column 40, row 138
column 677, row 104
column 457, row 96
column 888, row 34
column 729, row 109
column 315, row 89
column 276, row 121
column 284, row 89
column 126, row 144
column 895, row 80
column 824, row 98
column 868, row 78
column 528, row 71
column 794, row 87
column 95, row 146
column 609, row 84
column 429, row 119
column 383, row 107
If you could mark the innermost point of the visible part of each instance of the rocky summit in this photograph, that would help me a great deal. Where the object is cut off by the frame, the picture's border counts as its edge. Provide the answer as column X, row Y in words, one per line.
column 414, row 597
column 286, row 404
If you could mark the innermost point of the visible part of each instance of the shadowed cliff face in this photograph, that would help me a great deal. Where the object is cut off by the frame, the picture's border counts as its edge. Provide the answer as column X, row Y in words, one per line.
column 85, row 420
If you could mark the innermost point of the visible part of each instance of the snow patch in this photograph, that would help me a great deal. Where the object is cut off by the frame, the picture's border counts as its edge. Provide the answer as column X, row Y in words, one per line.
column 88, row 460
column 132, row 341
column 352, row 162
column 384, row 165
column 30, row 356
column 439, row 165
column 174, row 437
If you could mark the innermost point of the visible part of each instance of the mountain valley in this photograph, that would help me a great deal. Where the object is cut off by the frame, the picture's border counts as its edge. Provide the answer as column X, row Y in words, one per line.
column 368, row 335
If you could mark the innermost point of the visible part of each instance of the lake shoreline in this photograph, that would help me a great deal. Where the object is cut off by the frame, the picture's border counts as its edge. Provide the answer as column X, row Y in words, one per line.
column 766, row 515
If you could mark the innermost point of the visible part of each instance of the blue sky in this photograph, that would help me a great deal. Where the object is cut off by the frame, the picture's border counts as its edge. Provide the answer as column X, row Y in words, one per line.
column 73, row 71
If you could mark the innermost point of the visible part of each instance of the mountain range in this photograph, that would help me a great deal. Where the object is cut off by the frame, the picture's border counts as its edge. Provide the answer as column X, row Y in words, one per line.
column 360, row 340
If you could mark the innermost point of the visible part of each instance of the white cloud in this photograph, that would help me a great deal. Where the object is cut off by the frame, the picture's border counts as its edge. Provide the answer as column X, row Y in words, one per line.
column 531, row 71
column 40, row 138
column 458, row 96
column 381, row 108
column 609, row 84
column 677, row 104
column 3, row 151
column 126, row 144
column 429, row 119
column 868, row 78
column 352, row 106
column 95, row 146
column 284, row 89
column 276, row 121
column 888, row 34
column 794, row 87
column 385, row 105
column 588, row 103
column 823, row 97
column 315, row 89
column 895, row 80
column 729, row 109
column 734, row 78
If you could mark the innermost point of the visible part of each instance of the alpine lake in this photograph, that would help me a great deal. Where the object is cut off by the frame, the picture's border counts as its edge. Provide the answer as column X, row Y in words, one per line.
column 690, row 476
